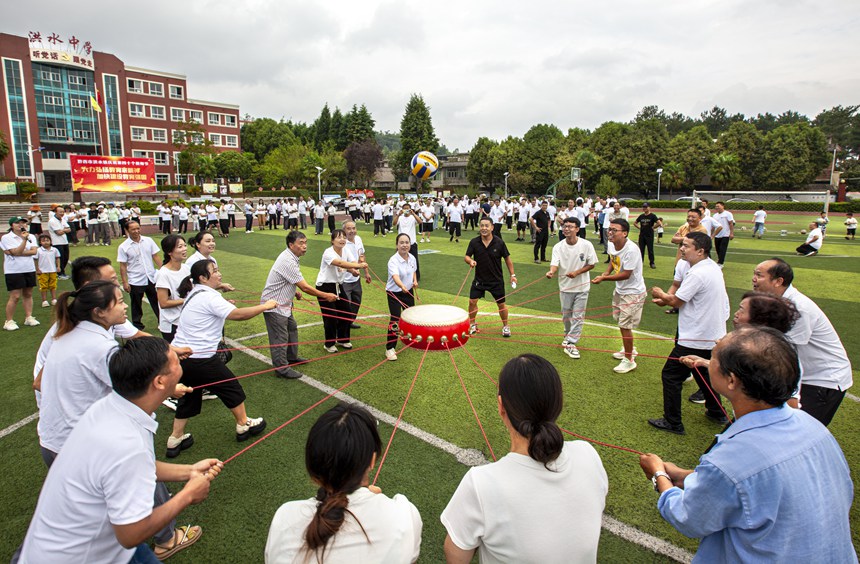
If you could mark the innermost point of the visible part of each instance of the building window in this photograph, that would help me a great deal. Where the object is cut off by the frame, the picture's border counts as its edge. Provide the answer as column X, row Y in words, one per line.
column 231, row 140
column 138, row 134
column 177, row 114
column 178, row 136
column 214, row 119
column 156, row 89
column 229, row 121
column 79, row 103
column 136, row 110
column 156, row 112
column 196, row 116
column 159, row 135
column 162, row 178
column 82, row 134
column 135, row 86
column 197, row 138
column 55, row 132
column 215, row 138
column 177, row 92
column 160, row 157
column 53, row 100
column 50, row 76
column 139, row 154
column 114, row 118
column 76, row 79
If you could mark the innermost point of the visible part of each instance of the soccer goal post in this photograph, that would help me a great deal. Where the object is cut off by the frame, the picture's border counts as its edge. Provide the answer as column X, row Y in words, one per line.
column 747, row 199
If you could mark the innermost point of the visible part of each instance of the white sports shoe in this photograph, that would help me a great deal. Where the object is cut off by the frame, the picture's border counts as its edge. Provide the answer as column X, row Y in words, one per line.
column 620, row 354
column 46, row 304
column 10, row 325
column 31, row 321
column 390, row 354
column 571, row 351
column 625, row 366
column 473, row 328
column 331, row 349
column 506, row 331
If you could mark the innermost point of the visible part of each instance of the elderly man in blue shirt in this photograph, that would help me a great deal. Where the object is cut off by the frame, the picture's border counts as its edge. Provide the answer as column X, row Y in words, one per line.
column 776, row 486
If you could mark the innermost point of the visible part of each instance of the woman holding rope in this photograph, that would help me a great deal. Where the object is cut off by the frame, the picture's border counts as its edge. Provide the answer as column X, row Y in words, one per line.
column 349, row 520
column 402, row 279
column 336, row 316
column 167, row 282
column 543, row 501
column 201, row 324
column 204, row 246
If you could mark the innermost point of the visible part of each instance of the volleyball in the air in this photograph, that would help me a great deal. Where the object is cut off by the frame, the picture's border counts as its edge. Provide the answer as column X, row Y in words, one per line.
column 424, row 165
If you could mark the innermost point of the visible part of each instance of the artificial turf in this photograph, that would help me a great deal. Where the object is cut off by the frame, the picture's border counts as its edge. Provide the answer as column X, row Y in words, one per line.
column 598, row 403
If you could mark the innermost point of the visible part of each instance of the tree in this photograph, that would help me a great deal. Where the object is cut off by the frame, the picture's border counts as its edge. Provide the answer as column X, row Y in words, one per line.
column 717, row 120
column 765, row 122
column 508, row 156
column 416, row 133
column 743, row 140
column 725, row 171
column 793, row 156
column 231, row 164
column 542, row 144
column 362, row 160
column 335, row 168
column 609, row 142
column 673, row 176
column 285, row 165
column 606, row 186
column 478, row 169
column 263, row 135
column 337, row 131
column 679, row 123
column 390, row 142
column 4, row 148
column 588, row 165
column 206, row 168
column 360, row 125
column 841, row 126
column 692, row 150
column 646, row 152
column 322, row 128
column 191, row 141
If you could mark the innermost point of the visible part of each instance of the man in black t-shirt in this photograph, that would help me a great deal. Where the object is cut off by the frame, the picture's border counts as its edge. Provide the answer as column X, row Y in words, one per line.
column 540, row 221
column 485, row 254
column 646, row 223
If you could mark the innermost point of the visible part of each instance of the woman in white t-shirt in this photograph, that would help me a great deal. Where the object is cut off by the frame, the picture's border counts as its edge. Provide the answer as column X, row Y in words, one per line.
column 349, row 520
column 400, row 288
column 336, row 315
column 200, row 327
column 34, row 214
column 544, row 500
column 167, row 282
column 224, row 220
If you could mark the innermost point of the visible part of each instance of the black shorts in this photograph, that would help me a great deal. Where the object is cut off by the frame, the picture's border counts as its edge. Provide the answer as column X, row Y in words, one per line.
column 522, row 226
column 20, row 281
column 497, row 290
column 426, row 227
column 202, row 372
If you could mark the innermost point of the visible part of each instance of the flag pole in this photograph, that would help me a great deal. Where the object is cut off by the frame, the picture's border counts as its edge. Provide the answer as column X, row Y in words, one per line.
column 95, row 143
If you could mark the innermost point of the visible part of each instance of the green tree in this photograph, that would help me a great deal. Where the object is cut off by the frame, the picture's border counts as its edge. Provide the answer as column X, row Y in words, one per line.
column 362, row 160
column 743, row 140
column 793, row 156
column 693, row 150
column 508, row 156
column 390, row 142
column 609, row 142
column 841, row 126
column 193, row 144
column 337, row 130
column 542, row 144
column 672, row 177
column 588, row 164
column 765, row 122
column 322, row 128
column 477, row 169
column 335, row 168
column 231, row 164
column 360, row 125
column 285, row 165
column 263, row 135
column 416, row 134
column 725, row 171
column 646, row 152
column 717, row 120
column 607, row 186
column 206, row 168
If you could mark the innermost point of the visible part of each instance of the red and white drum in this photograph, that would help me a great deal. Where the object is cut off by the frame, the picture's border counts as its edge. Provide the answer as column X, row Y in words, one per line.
column 434, row 326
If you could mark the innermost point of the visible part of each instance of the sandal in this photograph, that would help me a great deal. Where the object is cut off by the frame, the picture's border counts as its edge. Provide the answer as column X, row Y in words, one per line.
column 183, row 537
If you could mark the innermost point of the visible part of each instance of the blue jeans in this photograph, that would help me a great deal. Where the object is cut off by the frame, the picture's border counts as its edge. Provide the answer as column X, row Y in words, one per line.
column 144, row 555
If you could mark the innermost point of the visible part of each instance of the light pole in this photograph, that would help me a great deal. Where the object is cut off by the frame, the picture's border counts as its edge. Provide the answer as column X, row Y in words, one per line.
column 320, row 170
column 659, row 174
column 506, row 184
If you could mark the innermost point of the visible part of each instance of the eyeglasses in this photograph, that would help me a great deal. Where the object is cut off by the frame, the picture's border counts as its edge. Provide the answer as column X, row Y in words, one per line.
column 611, row 230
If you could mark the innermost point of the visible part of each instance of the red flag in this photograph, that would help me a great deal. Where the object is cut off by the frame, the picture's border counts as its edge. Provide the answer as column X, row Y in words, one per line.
column 99, row 96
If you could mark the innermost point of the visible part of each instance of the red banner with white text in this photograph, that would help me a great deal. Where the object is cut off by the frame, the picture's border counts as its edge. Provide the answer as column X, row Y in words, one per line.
column 92, row 173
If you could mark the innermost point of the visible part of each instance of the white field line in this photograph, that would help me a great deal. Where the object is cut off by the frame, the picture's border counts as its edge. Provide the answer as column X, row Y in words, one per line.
column 15, row 426
column 312, row 324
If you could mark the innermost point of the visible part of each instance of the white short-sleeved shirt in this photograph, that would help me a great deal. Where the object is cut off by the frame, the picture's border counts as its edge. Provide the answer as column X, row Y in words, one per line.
column 35, row 216
column 406, row 224
column 355, row 250
column 497, row 213
column 47, row 259
column 628, row 258
column 137, row 257
column 20, row 264
column 201, row 321
column 197, row 257
column 281, row 283
column 725, row 219
column 377, row 211
column 702, row 318
column 569, row 258
column 329, row 273
column 170, row 280
column 820, row 238
column 403, row 268
column 75, row 375
column 515, row 510
column 104, row 476
column 392, row 525
column 455, row 214
column 183, row 213
column 58, row 225
column 759, row 216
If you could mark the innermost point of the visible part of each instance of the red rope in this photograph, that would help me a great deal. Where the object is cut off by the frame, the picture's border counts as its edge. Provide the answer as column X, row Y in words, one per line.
column 400, row 416
column 463, row 285
column 471, row 405
column 714, row 395
column 610, row 445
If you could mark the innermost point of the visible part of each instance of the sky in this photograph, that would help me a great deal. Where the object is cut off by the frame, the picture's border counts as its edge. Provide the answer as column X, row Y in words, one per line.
column 485, row 68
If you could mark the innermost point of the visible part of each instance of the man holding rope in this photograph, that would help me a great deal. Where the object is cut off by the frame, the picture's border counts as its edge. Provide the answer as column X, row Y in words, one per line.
column 488, row 251
column 282, row 285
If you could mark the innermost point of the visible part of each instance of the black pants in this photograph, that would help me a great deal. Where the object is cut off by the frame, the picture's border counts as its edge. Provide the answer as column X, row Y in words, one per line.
column 378, row 226
column 454, row 229
column 232, row 217
column 805, row 249
column 352, row 291
column 137, row 293
column 541, row 240
column 165, row 226
column 497, row 229
column 509, row 222
column 819, row 402
column 73, row 234
column 397, row 302
column 331, row 225
column 249, row 222
column 674, row 375
column 64, row 258
column 183, row 226
column 722, row 245
column 646, row 240
column 336, row 315
column 203, row 372
column 413, row 250
column 272, row 221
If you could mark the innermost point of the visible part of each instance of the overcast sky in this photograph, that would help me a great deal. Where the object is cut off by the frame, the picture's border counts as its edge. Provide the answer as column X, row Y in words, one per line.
column 485, row 68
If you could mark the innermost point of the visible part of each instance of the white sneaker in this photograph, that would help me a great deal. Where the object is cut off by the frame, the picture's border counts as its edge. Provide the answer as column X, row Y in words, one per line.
column 31, row 321
column 506, row 331
column 10, row 325
column 53, row 302
column 571, row 351
column 422, row 240
column 251, row 427
column 46, row 304
column 331, row 349
column 625, row 366
column 620, row 354
column 346, row 345
column 473, row 328
column 390, row 354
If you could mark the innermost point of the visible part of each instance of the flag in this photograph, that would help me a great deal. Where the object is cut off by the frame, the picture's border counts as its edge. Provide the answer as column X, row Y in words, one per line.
column 95, row 104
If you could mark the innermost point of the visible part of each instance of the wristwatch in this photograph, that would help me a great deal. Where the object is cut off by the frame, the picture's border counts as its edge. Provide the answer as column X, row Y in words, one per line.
column 657, row 475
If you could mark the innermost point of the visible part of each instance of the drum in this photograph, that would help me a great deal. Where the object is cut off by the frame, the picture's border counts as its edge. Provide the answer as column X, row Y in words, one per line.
column 434, row 327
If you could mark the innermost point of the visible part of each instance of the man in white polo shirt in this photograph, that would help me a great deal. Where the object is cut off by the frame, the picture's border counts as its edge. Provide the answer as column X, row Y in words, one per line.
column 572, row 258
column 703, row 310
column 825, row 368
column 96, row 503
column 352, row 282
column 58, row 228
column 726, row 233
column 139, row 260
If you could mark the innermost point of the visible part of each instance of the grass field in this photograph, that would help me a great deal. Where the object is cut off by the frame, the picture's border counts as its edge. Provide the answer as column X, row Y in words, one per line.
column 598, row 403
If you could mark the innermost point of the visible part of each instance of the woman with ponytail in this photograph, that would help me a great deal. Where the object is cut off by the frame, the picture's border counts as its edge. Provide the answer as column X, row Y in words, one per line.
column 75, row 373
column 167, row 282
column 544, row 500
column 349, row 520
